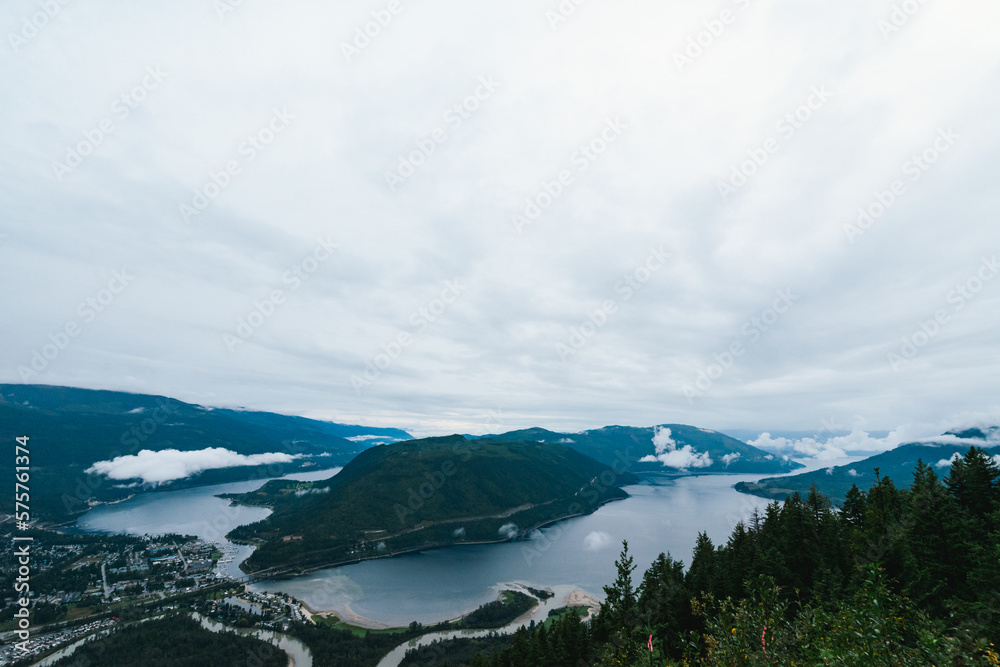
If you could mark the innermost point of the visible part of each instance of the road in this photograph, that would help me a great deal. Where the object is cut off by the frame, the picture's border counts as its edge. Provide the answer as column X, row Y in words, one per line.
column 104, row 577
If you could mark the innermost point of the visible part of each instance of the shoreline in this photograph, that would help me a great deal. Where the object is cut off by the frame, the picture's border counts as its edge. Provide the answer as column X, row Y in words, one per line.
column 350, row 618
column 263, row 576
column 353, row 619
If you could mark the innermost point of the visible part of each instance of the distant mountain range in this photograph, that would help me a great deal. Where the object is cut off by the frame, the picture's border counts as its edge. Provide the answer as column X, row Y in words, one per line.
column 896, row 464
column 702, row 450
column 421, row 494
column 92, row 446
column 72, row 429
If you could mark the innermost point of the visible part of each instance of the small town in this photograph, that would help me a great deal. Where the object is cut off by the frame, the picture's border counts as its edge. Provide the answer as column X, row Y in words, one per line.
column 81, row 585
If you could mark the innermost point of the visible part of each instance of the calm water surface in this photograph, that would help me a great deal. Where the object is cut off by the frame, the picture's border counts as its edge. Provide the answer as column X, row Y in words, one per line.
column 662, row 515
column 188, row 512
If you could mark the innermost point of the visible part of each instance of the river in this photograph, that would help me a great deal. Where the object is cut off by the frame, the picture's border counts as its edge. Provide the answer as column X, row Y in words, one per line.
column 661, row 514
column 297, row 652
column 196, row 511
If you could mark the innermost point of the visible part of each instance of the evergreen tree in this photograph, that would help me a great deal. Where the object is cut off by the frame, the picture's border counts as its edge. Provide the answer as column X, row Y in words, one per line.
column 619, row 611
column 664, row 607
column 935, row 559
column 701, row 576
column 974, row 481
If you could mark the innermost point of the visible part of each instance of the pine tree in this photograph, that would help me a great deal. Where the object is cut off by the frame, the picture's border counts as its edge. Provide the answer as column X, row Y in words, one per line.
column 620, row 609
column 664, row 602
column 974, row 481
column 935, row 561
column 853, row 511
column 701, row 577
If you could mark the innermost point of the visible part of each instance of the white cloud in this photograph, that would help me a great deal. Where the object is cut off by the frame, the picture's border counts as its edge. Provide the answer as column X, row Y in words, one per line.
column 859, row 440
column 954, row 457
column 729, row 458
column 167, row 465
column 508, row 530
column 458, row 532
column 596, row 541
column 671, row 457
column 357, row 120
column 312, row 491
column 853, row 473
column 947, row 462
column 381, row 438
column 662, row 440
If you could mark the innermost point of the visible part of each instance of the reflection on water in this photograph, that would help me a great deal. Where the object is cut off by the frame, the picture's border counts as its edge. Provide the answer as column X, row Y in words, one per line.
column 661, row 515
column 189, row 512
column 295, row 649
column 298, row 651
column 558, row 600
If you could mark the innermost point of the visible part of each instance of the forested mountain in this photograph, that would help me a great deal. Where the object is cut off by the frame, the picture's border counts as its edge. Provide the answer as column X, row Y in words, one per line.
column 896, row 464
column 425, row 493
column 704, row 451
column 898, row 577
column 70, row 429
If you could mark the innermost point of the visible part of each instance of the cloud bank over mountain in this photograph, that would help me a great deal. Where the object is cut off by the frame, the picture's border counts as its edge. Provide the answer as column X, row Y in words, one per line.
column 671, row 457
column 168, row 465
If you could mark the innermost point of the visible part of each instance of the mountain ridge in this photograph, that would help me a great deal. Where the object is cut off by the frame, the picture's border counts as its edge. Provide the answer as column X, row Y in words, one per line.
column 609, row 444
column 422, row 494
column 897, row 464
column 70, row 429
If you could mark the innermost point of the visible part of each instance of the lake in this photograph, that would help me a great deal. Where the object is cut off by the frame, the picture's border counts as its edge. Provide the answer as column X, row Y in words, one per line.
column 194, row 511
column 661, row 515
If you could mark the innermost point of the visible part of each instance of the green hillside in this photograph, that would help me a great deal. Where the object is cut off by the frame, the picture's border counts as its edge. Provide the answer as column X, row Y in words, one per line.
column 421, row 494
column 70, row 429
column 896, row 464
column 628, row 445
column 899, row 578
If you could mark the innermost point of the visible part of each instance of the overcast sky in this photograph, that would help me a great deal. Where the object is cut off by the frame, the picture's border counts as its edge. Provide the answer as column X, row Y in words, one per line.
column 697, row 171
